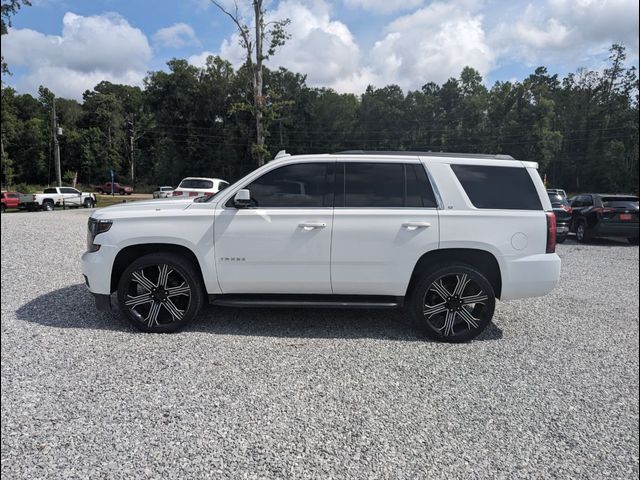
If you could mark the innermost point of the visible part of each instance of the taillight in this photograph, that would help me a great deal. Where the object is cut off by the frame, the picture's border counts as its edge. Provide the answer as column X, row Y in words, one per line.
column 551, row 232
column 176, row 193
column 193, row 194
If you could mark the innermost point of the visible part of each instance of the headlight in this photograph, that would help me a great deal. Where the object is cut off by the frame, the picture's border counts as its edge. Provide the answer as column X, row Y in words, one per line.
column 95, row 227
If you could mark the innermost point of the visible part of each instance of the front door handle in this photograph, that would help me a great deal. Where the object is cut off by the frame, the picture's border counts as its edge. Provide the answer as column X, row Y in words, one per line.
column 312, row 225
column 416, row 225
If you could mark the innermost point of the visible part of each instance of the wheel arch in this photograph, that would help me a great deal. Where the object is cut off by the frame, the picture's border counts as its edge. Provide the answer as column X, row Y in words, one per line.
column 483, row 260
column 129, row 254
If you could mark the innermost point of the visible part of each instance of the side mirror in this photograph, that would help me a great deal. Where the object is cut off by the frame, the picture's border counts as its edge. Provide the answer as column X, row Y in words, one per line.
column 242, row 199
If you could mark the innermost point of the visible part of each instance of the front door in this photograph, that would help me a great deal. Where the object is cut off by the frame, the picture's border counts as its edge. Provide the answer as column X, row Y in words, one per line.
column 71, row 196
column 282, row 243
column 385, row 219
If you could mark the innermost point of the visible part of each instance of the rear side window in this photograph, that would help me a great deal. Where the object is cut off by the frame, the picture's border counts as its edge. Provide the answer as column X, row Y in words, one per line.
column 50, row 190
column 383, row 185
column 620, row 202
column 504, row 188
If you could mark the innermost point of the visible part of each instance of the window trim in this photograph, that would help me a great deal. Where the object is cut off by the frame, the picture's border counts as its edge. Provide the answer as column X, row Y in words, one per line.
column 225, row 204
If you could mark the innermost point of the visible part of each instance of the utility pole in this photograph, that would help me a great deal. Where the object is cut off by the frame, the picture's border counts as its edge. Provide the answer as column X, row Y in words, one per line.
column 56, row 144
column 131, row 153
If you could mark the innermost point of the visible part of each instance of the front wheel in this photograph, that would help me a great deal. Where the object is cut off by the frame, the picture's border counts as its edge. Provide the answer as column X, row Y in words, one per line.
column 160, row 293
column 452, row 303
column 88, row 203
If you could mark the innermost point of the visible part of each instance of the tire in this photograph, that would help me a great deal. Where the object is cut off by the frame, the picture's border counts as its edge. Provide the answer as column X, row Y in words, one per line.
column 437, row 288
column 582, row 233
column 48, row 206
column 561, row 238
column 88, row 203
column 121, row 192
column 99, row 190
column 633, row 241
column 143, row 278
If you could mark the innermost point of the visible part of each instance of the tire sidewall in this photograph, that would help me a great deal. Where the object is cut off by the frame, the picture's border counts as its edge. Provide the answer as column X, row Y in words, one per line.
column 419, row 291
column 182, row 266
column 48, row 206
column 581, row 238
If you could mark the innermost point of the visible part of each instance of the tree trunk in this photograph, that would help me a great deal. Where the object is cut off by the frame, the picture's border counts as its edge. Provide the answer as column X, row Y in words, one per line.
column 257, row 81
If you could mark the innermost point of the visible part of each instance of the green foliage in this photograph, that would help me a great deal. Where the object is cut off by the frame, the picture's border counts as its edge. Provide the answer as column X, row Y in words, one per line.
column 189, row 121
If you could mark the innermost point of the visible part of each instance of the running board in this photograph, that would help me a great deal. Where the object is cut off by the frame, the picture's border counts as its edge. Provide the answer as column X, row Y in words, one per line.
column 307, row 301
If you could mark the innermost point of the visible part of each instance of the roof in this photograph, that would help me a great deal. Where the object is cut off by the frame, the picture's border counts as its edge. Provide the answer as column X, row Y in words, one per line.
column 427, row 154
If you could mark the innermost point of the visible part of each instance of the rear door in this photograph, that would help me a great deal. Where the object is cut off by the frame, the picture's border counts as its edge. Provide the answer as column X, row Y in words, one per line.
column 385, row 218
column 282, row 243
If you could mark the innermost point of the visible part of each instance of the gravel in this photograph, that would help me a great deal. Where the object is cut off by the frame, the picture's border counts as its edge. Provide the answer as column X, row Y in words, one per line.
column 549, row 390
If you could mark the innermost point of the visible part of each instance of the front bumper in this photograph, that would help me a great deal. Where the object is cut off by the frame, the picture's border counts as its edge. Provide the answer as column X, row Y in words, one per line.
column 96, row 268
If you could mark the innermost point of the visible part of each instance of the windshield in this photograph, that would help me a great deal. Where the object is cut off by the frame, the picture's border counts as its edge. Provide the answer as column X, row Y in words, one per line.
column 620, row 202
column 558, row 200
column 195, row 183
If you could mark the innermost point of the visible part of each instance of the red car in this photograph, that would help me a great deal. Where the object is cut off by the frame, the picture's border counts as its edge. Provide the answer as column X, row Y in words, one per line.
column 117, row 188
column 10, row 200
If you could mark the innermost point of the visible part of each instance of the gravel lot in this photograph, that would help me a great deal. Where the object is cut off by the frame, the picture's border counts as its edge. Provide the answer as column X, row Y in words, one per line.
column 550, row 390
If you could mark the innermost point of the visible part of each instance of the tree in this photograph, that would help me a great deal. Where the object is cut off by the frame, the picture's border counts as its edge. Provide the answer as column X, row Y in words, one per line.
column 274, row 33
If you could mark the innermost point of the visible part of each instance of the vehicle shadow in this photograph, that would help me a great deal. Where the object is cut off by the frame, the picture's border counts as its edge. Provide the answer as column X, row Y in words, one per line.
column 73, row 307
column 600, row 242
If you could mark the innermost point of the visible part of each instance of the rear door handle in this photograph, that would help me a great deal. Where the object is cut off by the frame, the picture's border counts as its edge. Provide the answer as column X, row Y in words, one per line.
column 312, row 225
column 416, row 225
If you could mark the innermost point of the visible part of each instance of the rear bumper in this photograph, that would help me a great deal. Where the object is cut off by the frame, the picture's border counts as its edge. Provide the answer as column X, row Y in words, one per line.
column 531, row 276
column 627, row 230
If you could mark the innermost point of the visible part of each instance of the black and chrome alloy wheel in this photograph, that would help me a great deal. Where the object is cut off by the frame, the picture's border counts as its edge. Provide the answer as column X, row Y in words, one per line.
column 159, row 293
column 453, row 303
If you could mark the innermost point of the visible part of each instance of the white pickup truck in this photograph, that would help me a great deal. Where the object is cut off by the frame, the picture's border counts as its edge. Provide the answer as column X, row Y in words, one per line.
column 53, row 197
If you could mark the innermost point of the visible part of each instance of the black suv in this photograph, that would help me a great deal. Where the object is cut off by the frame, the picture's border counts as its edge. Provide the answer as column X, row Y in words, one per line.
column 563, row 212
column 602, row 215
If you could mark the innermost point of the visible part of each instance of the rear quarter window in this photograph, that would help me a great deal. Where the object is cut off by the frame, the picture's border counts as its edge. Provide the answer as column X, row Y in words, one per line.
column 503, row 188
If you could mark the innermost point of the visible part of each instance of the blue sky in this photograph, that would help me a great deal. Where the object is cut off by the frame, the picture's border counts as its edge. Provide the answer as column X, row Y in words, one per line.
column 70, row 45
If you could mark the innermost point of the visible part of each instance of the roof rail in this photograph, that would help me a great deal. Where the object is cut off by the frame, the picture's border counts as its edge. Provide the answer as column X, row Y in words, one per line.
column 427, row 154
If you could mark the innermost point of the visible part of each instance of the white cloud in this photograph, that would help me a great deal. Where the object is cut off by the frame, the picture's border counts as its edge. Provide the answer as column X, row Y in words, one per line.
column 200, row 60
column 322, row 48
column 432, row 44
column 176, row 36
column 90, row 49
column 384, row 6
column 566, row 31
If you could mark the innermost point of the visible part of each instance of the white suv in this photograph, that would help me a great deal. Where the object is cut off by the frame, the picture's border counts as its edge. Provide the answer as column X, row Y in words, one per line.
column 198, row 187
column 442, row 235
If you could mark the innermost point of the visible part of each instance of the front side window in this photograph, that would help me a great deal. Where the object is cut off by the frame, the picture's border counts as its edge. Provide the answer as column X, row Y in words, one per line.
column 301, row 185
column 504, row 188
column 383, row 185
column 69, row 190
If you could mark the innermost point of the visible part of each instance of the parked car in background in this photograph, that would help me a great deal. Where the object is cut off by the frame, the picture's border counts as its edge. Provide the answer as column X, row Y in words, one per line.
column 10, row 200
column 199, row 186
column 163, row 191
column 116, row 188
column 563, row 212
column 604, row 215
column 52, row 197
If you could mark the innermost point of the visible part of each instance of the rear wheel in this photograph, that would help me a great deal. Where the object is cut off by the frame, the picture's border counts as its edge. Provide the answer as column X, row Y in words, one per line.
column 581, row 232
column 452, row 303
column 47, row 206
column 160, row 293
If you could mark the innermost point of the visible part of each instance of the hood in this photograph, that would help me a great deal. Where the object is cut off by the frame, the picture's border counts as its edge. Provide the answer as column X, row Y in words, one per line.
column 142, row 208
